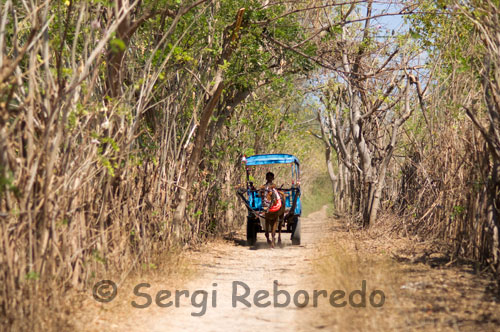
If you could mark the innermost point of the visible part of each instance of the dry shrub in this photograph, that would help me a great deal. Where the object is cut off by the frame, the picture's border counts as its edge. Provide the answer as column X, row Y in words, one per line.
column 422, row 292
column 443, row 191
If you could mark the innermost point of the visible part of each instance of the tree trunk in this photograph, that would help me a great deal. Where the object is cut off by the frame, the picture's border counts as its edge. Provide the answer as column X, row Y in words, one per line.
column 331, row 172
column 200, row 138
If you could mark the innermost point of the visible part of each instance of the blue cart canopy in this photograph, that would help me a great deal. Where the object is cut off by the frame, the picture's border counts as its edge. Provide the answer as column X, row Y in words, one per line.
column 266, row 159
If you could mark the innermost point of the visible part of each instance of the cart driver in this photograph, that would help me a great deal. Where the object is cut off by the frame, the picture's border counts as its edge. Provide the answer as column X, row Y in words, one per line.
column 269, row 180
column 269, row 185
column 274, row 199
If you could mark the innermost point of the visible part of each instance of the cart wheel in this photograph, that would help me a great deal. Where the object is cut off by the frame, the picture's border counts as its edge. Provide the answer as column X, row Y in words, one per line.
column 251, row 233
column 296, row 232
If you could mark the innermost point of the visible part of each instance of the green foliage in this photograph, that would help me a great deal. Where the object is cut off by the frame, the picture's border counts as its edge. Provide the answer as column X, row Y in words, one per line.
column 117, row 45
column 317, row 195
column 32, row 275
column 98, row 257
column 448, row 34
column 7, row 183
column 458, row 210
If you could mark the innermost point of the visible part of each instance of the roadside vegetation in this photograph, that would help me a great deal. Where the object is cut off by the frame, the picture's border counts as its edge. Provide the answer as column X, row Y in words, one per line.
column 411, row 125
column 317, row 194
column 422, row 289
column 123, row 124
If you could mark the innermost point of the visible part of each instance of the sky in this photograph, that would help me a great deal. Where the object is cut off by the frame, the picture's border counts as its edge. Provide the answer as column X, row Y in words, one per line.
column 392, row 22
column 387, row 25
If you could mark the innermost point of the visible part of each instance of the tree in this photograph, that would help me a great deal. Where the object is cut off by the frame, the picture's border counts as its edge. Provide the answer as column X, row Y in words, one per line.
column 366, row 105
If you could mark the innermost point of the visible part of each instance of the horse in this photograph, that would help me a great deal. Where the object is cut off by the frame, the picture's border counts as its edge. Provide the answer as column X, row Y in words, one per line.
column 274, row 212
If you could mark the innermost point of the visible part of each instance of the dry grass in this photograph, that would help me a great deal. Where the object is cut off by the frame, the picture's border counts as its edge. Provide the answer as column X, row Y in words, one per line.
column 171, row 270
column 423, row 291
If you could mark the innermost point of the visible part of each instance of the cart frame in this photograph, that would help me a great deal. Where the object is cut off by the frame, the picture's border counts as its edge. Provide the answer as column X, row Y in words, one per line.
column 253, row 202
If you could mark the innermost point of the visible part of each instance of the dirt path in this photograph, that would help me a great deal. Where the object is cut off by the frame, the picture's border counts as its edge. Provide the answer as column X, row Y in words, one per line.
column 257, row 268
column 417, row 296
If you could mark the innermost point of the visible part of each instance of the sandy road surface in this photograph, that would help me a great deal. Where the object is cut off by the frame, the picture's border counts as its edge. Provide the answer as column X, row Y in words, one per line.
column 419, row 296
column 256, row 267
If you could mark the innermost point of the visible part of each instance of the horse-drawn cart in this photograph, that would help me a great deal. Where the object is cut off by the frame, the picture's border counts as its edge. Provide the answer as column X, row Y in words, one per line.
column 253, row 199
